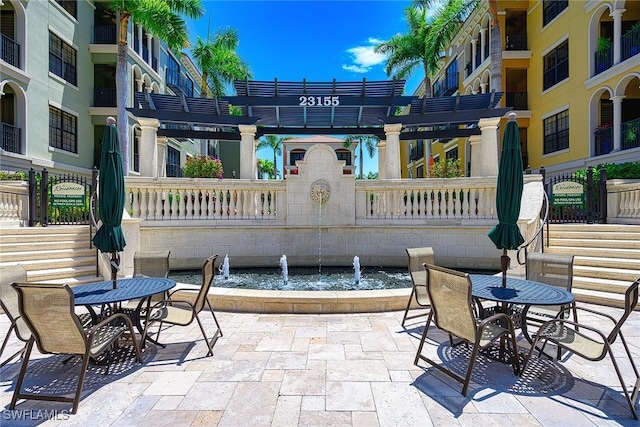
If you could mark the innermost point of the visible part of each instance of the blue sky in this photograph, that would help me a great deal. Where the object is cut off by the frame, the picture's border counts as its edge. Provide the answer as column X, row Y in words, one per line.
column 316, row 40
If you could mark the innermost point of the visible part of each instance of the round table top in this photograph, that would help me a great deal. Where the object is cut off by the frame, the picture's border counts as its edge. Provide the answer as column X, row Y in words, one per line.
column 128, row 289
column 518, row 291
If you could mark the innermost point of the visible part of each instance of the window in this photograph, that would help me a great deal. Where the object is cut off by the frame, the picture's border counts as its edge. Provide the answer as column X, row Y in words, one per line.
column 173, row 72
column 62, row 59
column 420, row 171
column 173, row 162
column 551, row 9
column 556, row 65
column 63, row 130
column 452, row 154
column 344, row 155
column 556, row 132
column 69, row 6
column 295, row 156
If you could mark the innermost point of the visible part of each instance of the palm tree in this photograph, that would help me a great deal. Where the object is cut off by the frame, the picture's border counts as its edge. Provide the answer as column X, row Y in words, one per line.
column 368, row 141
column 219, row 62
column 266, row 167
column 160, row 17
column 275, row 143
column 406, row 52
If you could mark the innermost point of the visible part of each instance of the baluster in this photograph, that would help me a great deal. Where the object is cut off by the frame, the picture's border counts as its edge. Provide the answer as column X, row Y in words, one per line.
column 173, row 197
column 151, row 206
column 225, row 204
column 465, row 203
column 210, row 204
column 182, row 203
column 159, row 201
column 143, row 203
column 635, row 205
column 218, row 204
column 189, row 204
column 135, row 203
column 197, row 203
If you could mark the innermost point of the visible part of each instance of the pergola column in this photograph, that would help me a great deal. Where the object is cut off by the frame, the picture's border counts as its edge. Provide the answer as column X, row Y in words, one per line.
column 162, row 156
column 475, row 144
column 149, row 147
column 248, row 166
column 489, row 146
column 392, row 133
column 382, row 159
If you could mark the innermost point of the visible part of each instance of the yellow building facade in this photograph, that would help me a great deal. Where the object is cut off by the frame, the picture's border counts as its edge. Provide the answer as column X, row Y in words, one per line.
column 571, row 72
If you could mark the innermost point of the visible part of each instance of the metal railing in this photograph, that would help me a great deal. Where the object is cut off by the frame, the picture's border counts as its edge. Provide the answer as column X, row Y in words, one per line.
column 10, row 135
column 10, row 51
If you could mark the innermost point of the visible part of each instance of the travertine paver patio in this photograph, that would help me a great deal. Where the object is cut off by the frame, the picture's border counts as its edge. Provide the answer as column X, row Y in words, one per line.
column 322, row 370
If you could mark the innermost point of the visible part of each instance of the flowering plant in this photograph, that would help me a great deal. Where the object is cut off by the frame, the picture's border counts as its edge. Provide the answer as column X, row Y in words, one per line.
column 202, row 166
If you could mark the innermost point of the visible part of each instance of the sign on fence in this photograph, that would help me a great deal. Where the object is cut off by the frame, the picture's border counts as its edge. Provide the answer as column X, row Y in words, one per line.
column 568, row 193
column 68, row 194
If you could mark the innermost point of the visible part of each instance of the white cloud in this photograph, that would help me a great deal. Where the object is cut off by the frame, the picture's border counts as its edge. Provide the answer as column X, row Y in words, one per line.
column 363, row 58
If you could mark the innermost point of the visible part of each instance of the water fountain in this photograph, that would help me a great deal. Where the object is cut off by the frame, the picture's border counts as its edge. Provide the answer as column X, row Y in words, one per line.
column 356, row 270
column 285, row 269
column 224, row 267
column 320, row 192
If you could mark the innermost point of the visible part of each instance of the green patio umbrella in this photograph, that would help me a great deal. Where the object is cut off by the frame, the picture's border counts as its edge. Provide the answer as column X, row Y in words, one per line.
column 506, row 235
column 109, row 237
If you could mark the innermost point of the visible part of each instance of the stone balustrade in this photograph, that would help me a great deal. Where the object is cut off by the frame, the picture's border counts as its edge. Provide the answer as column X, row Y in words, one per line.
column 14, row 198
column 623, row 201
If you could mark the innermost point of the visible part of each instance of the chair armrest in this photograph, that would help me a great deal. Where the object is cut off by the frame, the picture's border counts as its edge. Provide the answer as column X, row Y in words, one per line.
column 495, row 317
column 182, row 290
column 162, row 303
column 562, row 322
column 108, row 320
column 588, row 310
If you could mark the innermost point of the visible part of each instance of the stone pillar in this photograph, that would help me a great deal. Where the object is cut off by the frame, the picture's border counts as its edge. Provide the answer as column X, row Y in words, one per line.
column 162, row 156
column 617, row 34
column 392, row 133
column 248, row 166
column 382, row 159
column 474, row 49
column 617, row 122
column 483, row 43
column 149, row 147
column 138, row 28
column 489, row 146
column 149, row 47
column 475, row 146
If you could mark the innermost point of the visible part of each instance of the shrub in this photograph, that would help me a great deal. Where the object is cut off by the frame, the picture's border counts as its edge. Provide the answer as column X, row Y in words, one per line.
column 13, row 176
column 202, row 166
column 448, row 168
column 628, row 170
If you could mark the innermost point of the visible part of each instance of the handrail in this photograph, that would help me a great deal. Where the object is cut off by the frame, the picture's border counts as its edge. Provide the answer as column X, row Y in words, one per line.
column 523, row 247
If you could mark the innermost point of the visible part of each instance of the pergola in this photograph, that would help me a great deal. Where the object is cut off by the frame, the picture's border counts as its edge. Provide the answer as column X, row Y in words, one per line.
column 330, row 108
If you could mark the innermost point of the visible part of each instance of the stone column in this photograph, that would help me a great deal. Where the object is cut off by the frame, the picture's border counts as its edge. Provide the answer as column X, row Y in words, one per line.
column 617, row 122
column 382, row 159
column 489, row 146
column 475, row 154
column 138, row 28
column 483, row 43
column 393, row 151
column 617, row 34
column 148, row 147
column 248, row 166
column 162, row 156
column 474, row 49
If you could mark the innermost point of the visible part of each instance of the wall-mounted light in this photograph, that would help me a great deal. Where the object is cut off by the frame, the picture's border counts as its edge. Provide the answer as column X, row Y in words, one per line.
column 233, row 173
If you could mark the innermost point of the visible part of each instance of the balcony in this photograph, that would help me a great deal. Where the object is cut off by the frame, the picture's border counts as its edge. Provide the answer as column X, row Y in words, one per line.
column 104, row 97
column 104, row 34
column 630, row 44
column 603, row 140
column 10, row 138
column 516, row 42
column 446, row 86
column 417, row 152
column 631, row 134
column 10, row 51
column 178, row 82
column 604, row 59
column 517, row 100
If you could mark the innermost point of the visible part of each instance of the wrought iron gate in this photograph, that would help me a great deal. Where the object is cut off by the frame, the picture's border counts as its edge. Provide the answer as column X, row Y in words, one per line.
column 574, row 198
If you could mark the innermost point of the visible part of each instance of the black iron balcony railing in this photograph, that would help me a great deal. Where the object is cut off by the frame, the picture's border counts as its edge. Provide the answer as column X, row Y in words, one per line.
column 516, row 42
column 10, row 51
column 145, row 53
column 104, row 34
column 478, row 58
column 447, row 85
column 417, row 152
column 177, row 81
column 630, row 44
column 603, row 141
column 604, row 60
column 154, row 63
column 517, row 100
column 631, row 134
column 10, row 138
column 104, row 97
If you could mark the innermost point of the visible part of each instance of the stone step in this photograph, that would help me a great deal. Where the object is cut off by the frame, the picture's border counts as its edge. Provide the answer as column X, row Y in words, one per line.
column 597, row 261
column 611, row 286
column 75, row 281
column 28, row 246
column 609, row 228
column 595, row 243
column 47, row 254
column 54, row 263
column 9, row 240
column 590, row 251
column 599, row 297
column 595, row 235
column 64, row 274
column 52, row 229
column 625, row 275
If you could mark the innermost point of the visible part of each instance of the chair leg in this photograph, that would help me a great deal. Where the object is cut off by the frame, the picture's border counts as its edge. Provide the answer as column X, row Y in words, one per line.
column 472, row 361
column 215, row 319
column 406, row 311
column 83, row 373
column 23, row 370
column 4, row 344
column 630, row 401
column 423, row 338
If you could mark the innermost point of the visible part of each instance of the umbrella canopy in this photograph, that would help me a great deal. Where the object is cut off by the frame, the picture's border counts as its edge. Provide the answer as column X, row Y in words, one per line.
column 506, row 235
column 109, row 237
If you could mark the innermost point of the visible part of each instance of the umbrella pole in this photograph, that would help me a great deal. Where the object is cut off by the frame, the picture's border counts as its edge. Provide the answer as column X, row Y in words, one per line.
column 504, row 263
column 115, row 266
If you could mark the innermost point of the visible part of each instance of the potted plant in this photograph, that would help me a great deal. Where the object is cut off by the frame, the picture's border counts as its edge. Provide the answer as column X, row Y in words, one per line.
column 603, row 53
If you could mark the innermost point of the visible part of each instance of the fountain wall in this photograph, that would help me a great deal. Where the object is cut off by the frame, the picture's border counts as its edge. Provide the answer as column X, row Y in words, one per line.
column 318, row 217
